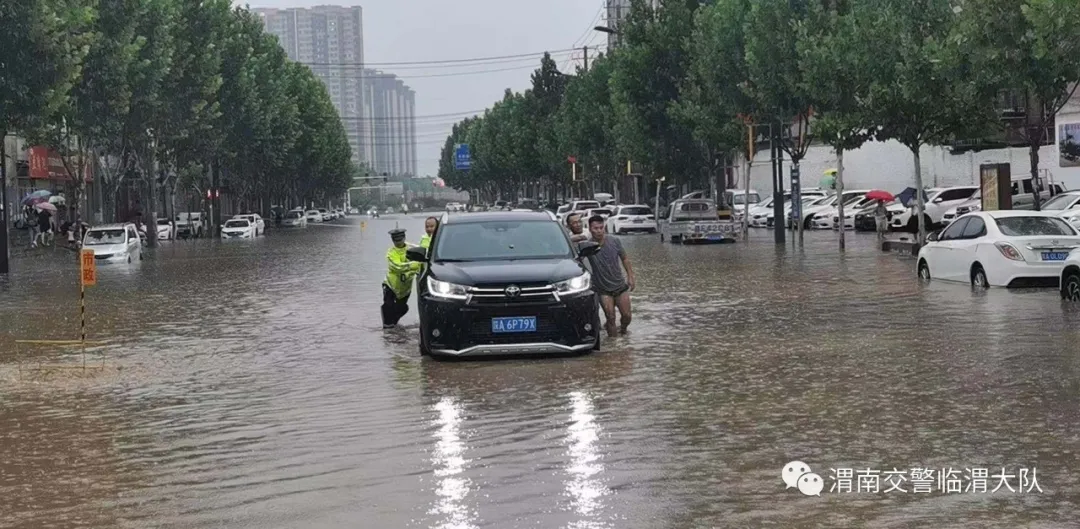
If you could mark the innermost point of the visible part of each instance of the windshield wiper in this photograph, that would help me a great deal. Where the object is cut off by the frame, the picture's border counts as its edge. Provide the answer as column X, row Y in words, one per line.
column 455, row 260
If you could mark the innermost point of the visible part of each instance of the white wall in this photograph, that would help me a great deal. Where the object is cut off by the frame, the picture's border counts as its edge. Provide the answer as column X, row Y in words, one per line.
column 891, row 166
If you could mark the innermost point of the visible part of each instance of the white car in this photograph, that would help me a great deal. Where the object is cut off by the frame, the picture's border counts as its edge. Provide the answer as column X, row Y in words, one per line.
column 633, row 217
column 452, row 207
column 811, row 210
column 327, row 216
column 940, row 200
column 313, row 215
column 737, row 199
column 1005, row 248
column 826, row 218
column 580, row 206
column 256, row 220
column 1066, row 205
column 294, row 219
column 238, row 229
column 603, row 212
column 114, row 243
column 1070, row 277
column 850, row 210
column 963, row 208
column 165, row 230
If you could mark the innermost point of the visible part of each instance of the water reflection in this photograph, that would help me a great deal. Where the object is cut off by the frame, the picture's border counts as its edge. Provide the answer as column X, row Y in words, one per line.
column 449, row 461
column 584, row 488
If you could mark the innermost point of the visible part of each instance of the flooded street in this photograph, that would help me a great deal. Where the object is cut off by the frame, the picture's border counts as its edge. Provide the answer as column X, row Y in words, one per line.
column 249, row 384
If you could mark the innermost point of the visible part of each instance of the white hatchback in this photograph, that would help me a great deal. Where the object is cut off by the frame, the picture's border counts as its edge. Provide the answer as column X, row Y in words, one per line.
column 1001, row 249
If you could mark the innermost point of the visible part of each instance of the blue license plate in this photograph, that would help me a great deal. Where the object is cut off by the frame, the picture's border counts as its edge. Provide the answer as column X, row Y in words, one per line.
column 513, row 324
column 1055, row 256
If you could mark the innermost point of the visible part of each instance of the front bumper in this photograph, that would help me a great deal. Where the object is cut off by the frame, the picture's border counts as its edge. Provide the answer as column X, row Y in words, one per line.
column 822, row 223
column 570, row 324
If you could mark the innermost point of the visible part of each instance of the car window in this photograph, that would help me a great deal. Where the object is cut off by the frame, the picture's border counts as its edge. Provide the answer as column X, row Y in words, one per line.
column 132, row 234
column 237, row 224
column 1034, row 226
column 501, row 240
column 1027, row 186
column 740, row 198
column 96, row 237
column 956, row 194
column 635, row 210
column 955, row 230
column 694, row 206
column 975, row 228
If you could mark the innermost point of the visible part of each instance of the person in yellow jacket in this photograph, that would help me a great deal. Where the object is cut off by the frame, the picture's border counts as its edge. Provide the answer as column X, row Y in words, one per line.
column 399, row 279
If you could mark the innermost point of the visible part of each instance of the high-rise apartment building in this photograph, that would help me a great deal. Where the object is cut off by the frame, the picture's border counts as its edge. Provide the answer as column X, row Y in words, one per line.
column 393, row 123
column 376, row 108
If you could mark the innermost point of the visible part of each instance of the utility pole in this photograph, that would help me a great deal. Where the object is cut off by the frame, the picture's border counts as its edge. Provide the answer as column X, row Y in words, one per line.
column 585, row 49
column 150, row 218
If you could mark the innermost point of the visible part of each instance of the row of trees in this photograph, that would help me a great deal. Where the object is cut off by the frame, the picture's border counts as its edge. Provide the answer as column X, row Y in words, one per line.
column 169, row 93
column 689, row 76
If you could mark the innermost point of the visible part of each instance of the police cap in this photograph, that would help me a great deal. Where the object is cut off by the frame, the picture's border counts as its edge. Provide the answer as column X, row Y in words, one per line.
column 397, row 233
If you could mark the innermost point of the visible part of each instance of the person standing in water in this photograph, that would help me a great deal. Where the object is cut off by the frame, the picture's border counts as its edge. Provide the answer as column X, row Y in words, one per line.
column 607, row 276
column 431, row 225
column 397, row 287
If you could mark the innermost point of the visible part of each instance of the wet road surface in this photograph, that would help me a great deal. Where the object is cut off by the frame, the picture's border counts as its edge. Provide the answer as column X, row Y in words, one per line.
column 248, row 384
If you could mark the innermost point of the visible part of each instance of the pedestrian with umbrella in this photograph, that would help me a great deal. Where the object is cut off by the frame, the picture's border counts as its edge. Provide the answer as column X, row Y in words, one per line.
column 881, row 213
column 45, row 212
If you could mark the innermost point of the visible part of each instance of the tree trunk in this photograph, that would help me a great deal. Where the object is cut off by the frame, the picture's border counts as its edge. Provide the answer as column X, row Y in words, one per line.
column 920, row 204
column 840, row 192
column 1035, row 173
column 746, row 202
column 5, row 226
column 150, row 215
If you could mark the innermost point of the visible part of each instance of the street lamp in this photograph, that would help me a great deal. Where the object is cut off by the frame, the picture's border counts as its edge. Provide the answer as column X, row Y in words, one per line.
column 605, row 29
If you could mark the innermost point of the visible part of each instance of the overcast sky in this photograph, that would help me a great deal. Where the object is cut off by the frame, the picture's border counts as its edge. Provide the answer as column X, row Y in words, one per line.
column 397, row 31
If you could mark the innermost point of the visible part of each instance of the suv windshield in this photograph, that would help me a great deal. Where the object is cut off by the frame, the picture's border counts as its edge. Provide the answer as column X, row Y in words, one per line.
column 293, row 215
column 1034, row 226
column 95, row 237
column 501, row 240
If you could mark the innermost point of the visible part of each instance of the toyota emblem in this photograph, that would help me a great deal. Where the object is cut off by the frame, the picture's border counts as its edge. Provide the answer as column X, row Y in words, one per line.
column 513, row 291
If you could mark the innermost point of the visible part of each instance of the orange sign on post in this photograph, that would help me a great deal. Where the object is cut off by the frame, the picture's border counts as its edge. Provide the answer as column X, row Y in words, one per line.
column 87, row 268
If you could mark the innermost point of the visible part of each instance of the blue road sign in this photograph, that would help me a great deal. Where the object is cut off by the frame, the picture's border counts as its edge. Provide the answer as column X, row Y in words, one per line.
column 462, row 159
column 796, row 195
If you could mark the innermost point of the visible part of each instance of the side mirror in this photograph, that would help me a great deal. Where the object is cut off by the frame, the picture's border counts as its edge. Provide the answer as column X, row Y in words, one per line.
column 587, row 249
column 934, row 236
column 417, row 254
column 938, row 200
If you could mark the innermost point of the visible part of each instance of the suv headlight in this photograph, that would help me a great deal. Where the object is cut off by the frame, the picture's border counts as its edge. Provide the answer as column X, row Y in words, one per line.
column 442, row 289
column 574, row 285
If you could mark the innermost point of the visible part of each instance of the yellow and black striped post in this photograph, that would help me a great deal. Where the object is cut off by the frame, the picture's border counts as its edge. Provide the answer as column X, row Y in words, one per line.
column 87, row 277
column 82, row 321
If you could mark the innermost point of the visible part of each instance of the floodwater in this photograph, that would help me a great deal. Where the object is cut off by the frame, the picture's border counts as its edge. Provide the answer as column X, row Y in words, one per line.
column 248, row 384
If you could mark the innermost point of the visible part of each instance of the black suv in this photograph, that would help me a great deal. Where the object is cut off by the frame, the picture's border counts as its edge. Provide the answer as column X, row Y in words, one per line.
column 503, row 283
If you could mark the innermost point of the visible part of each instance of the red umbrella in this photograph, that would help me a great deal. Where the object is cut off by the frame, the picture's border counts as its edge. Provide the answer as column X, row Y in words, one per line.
column 878, row 194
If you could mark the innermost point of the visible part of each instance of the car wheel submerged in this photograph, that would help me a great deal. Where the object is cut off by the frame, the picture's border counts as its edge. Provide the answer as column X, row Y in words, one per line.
column 978, row 277
column 1070, row 287
column 924, row 271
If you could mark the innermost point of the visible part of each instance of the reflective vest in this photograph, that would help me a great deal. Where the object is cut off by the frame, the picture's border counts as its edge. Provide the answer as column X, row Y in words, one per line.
column 425, row 241
column 400, row 272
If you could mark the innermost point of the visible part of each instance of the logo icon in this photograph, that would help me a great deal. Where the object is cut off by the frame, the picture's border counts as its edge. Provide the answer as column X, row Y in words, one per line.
column 797, row 474
column 512, row 291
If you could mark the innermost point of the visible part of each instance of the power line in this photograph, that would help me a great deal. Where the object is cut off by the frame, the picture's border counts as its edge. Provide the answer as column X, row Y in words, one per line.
column 389, row 75
column 502, row 61
column 460, row 61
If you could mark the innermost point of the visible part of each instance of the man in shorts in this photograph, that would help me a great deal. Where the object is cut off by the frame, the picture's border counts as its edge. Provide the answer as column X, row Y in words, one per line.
column 607, row 276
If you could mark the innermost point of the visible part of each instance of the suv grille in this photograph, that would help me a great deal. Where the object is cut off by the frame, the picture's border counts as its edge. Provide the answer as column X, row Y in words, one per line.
column 525, row 294
column 546, row 331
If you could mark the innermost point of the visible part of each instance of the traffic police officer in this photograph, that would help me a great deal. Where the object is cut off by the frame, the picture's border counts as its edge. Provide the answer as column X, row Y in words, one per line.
column 399, row 278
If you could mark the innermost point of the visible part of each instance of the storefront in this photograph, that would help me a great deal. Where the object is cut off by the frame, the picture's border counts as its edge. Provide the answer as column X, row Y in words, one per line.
column 46, row 169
